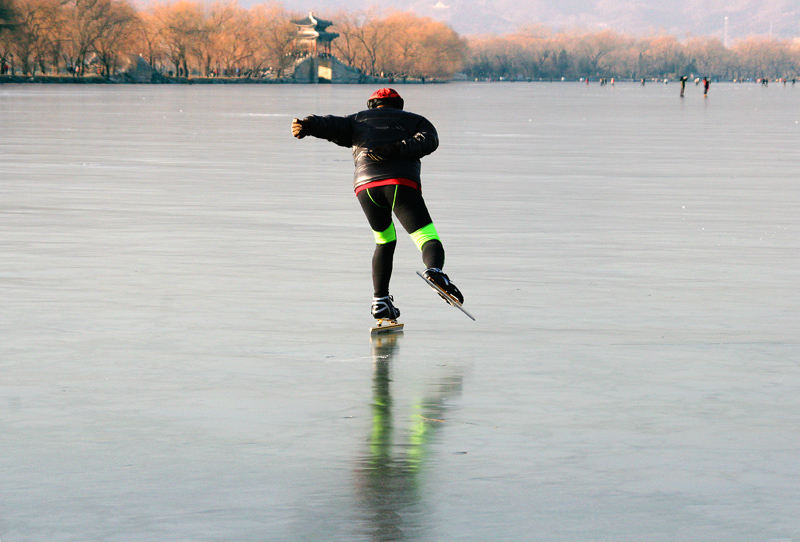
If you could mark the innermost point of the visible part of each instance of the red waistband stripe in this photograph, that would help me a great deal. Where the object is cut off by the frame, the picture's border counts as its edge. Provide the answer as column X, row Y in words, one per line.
column 388, row 182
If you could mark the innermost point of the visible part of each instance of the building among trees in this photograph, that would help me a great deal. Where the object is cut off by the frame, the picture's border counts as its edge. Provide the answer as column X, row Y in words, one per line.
column 312, row 42
column 194, row 39
column 312, row 37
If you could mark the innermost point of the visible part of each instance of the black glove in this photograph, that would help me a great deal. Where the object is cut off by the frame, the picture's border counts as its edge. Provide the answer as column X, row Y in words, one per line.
column 385, row 152
column 299, row 128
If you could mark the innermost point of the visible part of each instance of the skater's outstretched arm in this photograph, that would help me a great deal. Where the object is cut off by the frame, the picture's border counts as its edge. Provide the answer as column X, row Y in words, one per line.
column 338, row 130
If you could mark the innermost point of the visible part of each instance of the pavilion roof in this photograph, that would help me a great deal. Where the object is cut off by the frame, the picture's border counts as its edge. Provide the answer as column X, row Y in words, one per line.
column 310, row 20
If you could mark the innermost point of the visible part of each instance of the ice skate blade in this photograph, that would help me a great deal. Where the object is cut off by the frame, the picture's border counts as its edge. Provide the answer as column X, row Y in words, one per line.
column 386, row 326
column 450, row 300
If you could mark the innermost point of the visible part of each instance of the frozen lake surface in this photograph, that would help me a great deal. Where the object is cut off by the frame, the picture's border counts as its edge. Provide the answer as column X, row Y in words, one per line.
column 184, row 304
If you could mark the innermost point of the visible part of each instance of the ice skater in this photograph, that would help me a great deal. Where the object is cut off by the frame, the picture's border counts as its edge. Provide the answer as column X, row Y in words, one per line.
column 387, row 145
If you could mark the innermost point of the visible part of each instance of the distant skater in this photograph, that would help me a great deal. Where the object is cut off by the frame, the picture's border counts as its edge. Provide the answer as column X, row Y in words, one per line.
column 387, row 145
column 706, row 84
column 683, row 84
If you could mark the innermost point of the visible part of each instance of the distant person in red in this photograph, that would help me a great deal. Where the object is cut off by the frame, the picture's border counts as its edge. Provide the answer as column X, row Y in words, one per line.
column 706, row 84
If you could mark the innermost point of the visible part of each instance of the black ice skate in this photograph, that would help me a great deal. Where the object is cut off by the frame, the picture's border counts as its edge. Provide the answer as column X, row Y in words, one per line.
column 437, row 277
column 446, row 289
column 386, row 314
column 383, row 309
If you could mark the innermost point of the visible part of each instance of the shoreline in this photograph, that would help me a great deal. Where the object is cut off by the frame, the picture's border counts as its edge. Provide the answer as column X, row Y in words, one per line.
column 123, row 80
column 159, row 79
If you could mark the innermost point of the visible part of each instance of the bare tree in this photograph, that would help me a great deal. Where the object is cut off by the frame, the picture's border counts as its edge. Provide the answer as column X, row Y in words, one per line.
column 347, row 46
column 235, row 41
column 96, row 26
column 709, row 56
column 596, row 47
column 495, row 57
column 181, row 25
column 374, row 35
column 273, row 35
column 664, row 56
column 794, row 60
column 115, row 35
column 442, row 52
column 216, row 27
column 761, row 57
column 536, row 50
column 149, row 39
column 36, row 34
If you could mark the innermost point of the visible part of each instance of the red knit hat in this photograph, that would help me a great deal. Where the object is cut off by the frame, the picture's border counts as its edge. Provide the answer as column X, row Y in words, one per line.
column 385, row 96
column 384, row 93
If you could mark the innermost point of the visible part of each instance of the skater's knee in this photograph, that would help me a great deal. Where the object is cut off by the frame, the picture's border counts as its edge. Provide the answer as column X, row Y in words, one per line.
column 425, row 234
column 389, row 235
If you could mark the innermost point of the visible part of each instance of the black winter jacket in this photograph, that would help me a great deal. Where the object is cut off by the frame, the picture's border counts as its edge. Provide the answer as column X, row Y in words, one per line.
column 372, row 128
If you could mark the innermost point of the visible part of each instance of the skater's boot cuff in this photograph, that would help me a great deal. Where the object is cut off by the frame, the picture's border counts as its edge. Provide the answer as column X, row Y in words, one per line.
column 384, row 309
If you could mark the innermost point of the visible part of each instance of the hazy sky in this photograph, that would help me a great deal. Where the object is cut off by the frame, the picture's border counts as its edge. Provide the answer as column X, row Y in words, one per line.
column 677, row 17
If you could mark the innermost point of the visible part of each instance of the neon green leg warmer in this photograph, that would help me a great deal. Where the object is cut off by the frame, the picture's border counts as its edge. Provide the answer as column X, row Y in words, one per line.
column 425, row 234
column 386, row 236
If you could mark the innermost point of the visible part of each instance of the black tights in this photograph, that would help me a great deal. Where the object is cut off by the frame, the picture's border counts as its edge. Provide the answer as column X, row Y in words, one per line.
column 383, row 257
column 409, row 207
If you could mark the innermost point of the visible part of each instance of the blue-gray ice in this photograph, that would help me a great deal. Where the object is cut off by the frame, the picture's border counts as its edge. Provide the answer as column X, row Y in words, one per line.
column 184, row 305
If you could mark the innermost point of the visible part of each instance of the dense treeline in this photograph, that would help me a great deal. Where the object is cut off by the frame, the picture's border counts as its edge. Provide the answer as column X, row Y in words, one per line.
column 538, row 53
column 193, row 38
column 190, row 37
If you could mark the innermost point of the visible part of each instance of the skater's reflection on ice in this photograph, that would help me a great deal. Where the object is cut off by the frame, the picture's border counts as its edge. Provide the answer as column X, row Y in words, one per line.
column 390, row 476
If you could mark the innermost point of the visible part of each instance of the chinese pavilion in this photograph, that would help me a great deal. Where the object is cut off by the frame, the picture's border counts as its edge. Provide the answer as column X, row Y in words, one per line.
column 312, row 38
